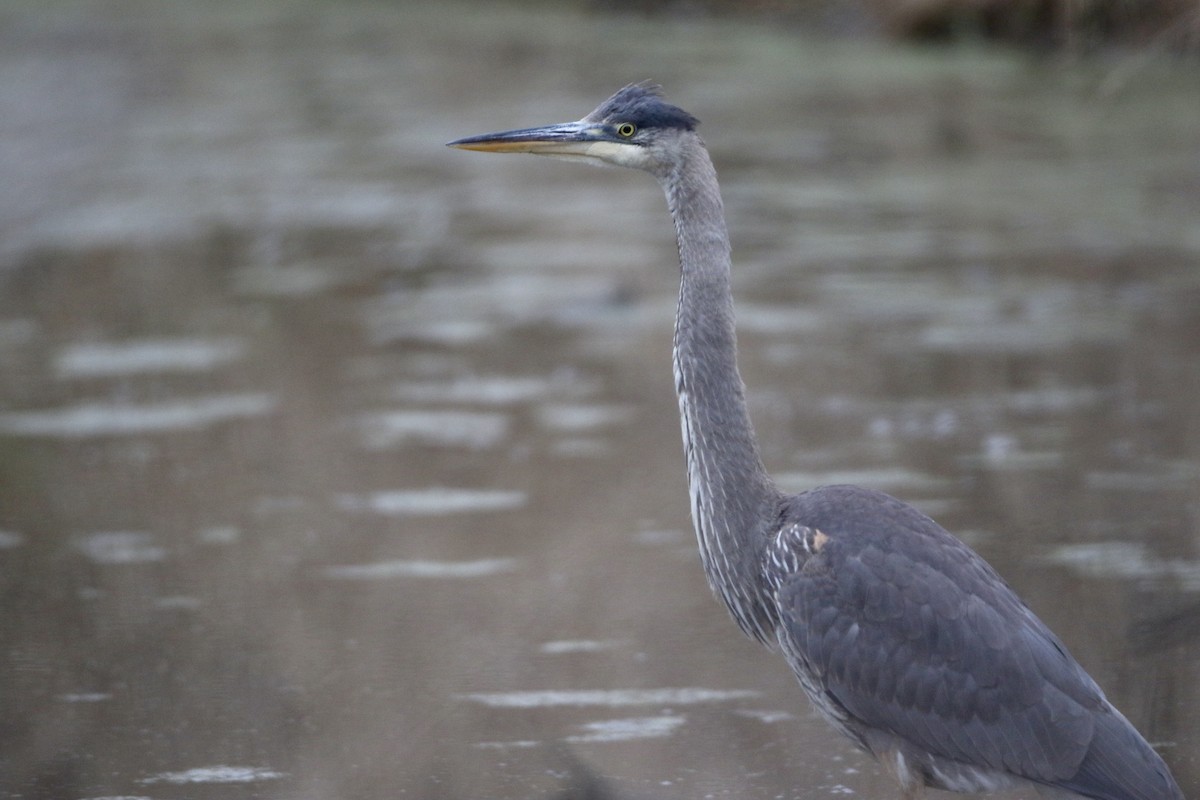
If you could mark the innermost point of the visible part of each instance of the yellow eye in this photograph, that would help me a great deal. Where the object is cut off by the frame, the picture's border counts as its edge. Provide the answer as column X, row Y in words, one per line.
column 626, row 130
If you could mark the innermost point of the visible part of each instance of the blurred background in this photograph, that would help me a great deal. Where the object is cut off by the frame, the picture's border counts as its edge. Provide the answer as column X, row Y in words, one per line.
column 338, row 464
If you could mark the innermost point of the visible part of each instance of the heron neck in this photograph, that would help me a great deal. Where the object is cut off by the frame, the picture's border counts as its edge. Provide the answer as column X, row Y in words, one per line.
column 733, row 498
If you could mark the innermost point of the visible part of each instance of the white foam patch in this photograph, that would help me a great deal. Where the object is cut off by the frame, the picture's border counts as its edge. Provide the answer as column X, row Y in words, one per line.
column 764, row 716
column 381, row 430
column 517, row 744
column 606, row 697
column 120, row 547
column 433, row 501
column 578, row 646
column 623, row 730
column 123, row 419
column 217, row 774
column 383, row 570
column 486, row 390
column 85, row 697
column 105, row 359
column 10, row 539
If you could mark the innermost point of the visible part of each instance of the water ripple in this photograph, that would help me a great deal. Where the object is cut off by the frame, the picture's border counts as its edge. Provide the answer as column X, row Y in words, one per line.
column 217, row 774
column 122, row 419
column 437, row 500
column 104, row 359
column 622, row 730
column 385, row 429
column 383, row 570
column 120, row 547
column 606, row 697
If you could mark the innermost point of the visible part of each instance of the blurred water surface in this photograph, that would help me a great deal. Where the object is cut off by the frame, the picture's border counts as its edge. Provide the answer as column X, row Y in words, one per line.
column 337, row 464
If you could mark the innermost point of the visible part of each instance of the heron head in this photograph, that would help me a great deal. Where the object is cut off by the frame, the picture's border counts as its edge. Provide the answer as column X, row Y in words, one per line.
column 633, row 128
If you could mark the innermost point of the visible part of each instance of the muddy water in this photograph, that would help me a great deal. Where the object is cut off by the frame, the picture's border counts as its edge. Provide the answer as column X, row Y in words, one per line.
column 337, row 464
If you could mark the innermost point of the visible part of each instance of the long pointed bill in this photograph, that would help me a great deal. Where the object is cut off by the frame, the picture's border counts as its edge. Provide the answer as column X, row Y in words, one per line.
column 564, row 139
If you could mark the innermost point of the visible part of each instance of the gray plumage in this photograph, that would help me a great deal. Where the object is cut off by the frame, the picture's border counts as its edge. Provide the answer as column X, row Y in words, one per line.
column 903, row 637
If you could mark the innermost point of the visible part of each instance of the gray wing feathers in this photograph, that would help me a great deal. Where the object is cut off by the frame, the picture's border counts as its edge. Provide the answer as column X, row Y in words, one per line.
column 1120, row 765
column 900, row 633
column 958, row 667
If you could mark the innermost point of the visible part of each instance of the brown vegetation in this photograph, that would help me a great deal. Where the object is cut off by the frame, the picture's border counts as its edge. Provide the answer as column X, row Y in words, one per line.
column 1072, row 24
column 1054, row 23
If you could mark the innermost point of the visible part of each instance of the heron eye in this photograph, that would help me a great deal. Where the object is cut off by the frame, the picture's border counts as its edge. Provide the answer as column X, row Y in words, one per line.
column 626, row 130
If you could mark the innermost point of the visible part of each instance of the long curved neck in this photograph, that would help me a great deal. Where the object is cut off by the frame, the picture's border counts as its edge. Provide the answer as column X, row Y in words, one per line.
column 733, row 498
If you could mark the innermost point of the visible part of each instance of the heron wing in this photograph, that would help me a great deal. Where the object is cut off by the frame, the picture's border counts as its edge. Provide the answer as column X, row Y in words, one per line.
column 907, row 631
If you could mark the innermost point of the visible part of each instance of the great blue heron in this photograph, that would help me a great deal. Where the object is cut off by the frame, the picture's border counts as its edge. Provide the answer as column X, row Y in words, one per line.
column 904, row 638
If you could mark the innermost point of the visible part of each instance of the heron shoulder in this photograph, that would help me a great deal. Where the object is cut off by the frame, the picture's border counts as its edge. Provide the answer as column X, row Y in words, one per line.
column 905, row 544
column 901, row 627
column 879, row 561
